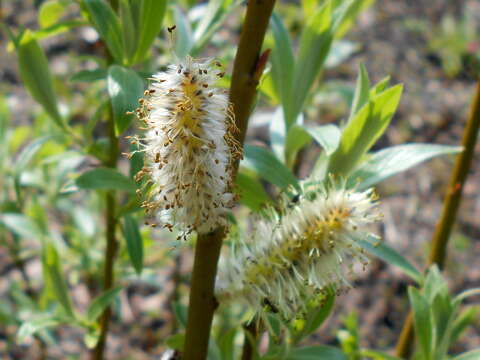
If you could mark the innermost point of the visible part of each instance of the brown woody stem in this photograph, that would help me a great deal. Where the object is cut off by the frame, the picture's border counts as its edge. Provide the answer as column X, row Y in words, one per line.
column 451, row 204
column 112, row 244
column 247, row 68
column 111, row 224
column 251, row 331
column 246, row 71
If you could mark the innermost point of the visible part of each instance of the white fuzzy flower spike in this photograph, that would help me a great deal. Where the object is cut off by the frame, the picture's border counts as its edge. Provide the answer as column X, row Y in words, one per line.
column 189, row 147
column 293, row 259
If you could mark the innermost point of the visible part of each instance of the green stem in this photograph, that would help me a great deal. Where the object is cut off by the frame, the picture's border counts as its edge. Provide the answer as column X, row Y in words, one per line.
column 443, row 230
column 112, row 244
column 246, row 72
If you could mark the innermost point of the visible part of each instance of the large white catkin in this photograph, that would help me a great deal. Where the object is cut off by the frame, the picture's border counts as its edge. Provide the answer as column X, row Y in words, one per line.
column 289, row 261
column 189, row 147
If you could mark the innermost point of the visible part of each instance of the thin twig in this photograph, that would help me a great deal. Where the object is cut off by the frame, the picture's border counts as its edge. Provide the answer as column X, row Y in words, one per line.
column 451, row 203
column 112, row 244
column 405, row 341
column 247, row 68
column 251, row 331
column 457, row 181
column 111, row 223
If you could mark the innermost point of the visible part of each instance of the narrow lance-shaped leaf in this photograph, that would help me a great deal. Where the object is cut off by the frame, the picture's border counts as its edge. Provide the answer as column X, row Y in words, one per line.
column 24, row 158
column 467, row 293
column 462, row 321
column 273, row 325
column 283, row 63
column 315, row 43
column 184, row 41
column 379, row 87
column 33, row 66
column 393, row 160
column 215, row 13
column 53, row 270
column 105, row 179
column 252, row 193
column 346, row 14
column 149, row 23
column 443, row 315
column 136, row 161
column 29, row 152
column 362, row 91
column 435, row 284
column 89, row 75
column 327, row 136
column 316, row 316
column 107, row 24
column 31, row 327
column 134, row 243
column 278, row 134
column 125, row 87
column 50, row 12
column 364, row 130
column 267, row 87
column 129, row 30
column 268, row 167
column 381, row 250
column 226, row 344
column 58, row 28
column 297, row 138
column 422, row 321
column 95, row 309
column 181, row 313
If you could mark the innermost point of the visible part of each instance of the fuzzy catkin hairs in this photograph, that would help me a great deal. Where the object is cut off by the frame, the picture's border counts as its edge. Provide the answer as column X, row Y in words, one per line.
column 189, row 148
column 294, row 256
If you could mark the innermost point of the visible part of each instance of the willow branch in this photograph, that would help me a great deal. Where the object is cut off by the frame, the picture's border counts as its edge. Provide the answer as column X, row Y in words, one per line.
column 111, row 223
column 249, row 64
column 252, row 332
column 112, row 244
column 455, row 188
column 247, row 69
column 443, row 230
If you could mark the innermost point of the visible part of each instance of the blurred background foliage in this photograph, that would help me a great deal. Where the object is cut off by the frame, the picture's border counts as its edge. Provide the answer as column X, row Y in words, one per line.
column 58, row 81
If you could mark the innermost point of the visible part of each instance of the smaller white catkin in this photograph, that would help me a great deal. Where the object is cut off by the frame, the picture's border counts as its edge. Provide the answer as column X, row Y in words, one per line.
column 293, row 259
column 189, row 148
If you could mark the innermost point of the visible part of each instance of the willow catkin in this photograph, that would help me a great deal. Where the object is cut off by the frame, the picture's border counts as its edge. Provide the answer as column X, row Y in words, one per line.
column 290, row 259
column 189, row 147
